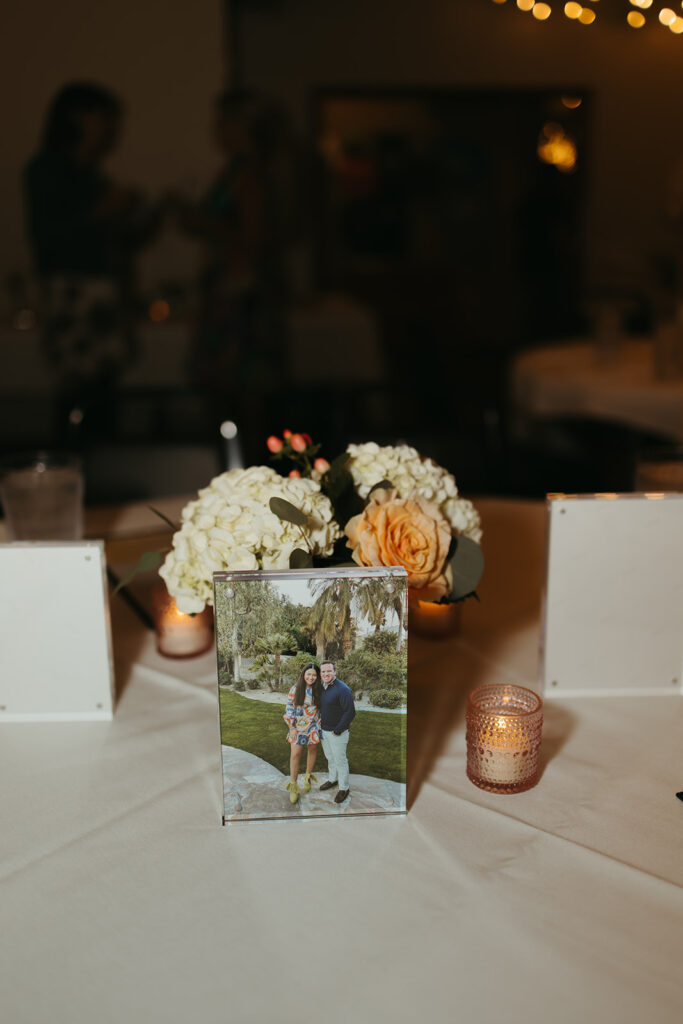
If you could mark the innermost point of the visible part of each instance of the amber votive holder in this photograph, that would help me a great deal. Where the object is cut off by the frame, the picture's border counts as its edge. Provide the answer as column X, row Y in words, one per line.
column 432, row 619
column 178, row 634
column 504, row 725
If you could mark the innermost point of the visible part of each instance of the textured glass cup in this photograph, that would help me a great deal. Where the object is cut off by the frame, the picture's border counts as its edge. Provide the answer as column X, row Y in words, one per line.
column 504, row 738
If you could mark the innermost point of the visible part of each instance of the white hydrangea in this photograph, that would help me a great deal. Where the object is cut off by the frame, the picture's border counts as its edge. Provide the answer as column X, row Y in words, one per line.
column 230, row 526
column 411, row 474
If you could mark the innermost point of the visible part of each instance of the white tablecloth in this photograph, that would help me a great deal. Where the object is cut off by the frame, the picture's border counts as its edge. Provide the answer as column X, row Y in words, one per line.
column 123, row 899
column 571, row 380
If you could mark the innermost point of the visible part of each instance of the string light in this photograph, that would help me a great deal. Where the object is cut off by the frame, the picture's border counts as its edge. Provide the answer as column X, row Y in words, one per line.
column 586, row 12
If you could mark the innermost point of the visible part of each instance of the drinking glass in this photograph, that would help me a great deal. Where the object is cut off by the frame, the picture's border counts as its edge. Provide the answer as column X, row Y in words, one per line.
column 42, row 496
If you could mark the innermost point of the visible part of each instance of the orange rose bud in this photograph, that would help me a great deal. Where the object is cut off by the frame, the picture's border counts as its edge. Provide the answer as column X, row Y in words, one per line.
column 299, row 443
column 294, row 472
column 286, row 434
column 322, row 465
column 274, row 444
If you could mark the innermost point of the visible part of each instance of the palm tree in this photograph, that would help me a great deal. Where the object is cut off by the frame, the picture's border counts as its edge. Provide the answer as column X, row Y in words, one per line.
column 275, row 644
column 370, row 595
column 379, row 598
column 331, row 614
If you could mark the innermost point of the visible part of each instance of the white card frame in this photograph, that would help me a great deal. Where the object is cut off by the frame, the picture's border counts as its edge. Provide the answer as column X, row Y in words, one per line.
column 613, row 602
column 56, row 659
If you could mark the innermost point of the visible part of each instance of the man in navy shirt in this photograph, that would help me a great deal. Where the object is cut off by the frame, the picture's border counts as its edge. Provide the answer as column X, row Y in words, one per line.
column 337, row 710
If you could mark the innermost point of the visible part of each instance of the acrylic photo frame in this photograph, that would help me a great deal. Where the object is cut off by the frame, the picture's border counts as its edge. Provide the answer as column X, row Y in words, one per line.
column 270, row 625
column 613, row 603
column 56, row 660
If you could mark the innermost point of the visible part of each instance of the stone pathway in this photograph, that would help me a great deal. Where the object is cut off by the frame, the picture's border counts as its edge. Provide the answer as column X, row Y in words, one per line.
column 252, row 788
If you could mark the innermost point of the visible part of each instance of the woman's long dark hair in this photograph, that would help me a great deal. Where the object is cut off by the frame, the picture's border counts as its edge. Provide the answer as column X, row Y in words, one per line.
column 300, row 695
column 62, row 128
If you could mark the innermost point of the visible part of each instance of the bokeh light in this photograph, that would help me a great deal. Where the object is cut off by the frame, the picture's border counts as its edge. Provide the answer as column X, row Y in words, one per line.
column 159, row 311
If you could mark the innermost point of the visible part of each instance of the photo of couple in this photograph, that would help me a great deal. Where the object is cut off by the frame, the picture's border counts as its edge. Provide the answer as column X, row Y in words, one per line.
column 320, row 707
column 312, row 691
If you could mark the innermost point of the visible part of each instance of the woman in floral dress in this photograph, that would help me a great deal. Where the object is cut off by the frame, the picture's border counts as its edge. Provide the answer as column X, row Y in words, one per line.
column 302, row 715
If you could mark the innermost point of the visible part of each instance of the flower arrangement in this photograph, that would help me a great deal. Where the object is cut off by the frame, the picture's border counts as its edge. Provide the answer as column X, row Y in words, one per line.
column 380, row 505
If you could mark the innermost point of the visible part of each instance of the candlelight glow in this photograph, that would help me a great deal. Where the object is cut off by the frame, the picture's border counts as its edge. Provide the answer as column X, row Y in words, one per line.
column 587, row 17
column 557, row 148
column 635, row 19
column 541, row 11
column 525, row 5
column 666, row 16
column 159, row 311
column 572, row 10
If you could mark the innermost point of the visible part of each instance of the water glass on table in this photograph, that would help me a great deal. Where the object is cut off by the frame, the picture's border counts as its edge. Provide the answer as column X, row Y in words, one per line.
column 42, row 496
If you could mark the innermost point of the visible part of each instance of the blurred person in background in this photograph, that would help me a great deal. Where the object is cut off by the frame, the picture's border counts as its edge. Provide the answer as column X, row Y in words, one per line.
column 236, row 347
column 83, row 230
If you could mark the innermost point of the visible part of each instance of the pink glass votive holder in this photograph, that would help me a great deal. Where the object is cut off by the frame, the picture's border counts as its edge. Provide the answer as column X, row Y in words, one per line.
column 504, row 738
column 180, row 635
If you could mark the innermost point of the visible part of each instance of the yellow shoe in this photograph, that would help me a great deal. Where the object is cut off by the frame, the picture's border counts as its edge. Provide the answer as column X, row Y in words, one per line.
column 293, row 792
column 309, row 777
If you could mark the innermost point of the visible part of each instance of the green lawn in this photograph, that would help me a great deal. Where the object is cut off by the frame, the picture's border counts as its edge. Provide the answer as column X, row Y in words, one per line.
column 376, row 741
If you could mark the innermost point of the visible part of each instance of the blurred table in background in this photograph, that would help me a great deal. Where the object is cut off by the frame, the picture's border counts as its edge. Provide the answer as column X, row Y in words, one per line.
column 330, row 342
column 577, row 380
column 123, row 899
column 331, row 337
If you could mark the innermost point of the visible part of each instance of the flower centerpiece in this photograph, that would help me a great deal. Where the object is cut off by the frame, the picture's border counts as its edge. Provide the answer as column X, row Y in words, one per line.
column 380, row 506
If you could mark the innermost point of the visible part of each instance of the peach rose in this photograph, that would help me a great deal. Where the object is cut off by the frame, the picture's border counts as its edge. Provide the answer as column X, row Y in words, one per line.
column 410, row 532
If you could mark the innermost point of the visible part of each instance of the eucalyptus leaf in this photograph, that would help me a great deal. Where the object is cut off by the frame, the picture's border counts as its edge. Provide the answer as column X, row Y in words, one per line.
column 289, row 513
column 385, row 485
column 300, row 559
column 148, row 561
column 467, row 566
column 334, row 487
column 338, row 464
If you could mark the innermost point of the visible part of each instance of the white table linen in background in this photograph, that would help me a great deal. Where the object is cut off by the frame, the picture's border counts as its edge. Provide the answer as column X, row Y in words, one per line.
column 123, row 899
column 570, row 380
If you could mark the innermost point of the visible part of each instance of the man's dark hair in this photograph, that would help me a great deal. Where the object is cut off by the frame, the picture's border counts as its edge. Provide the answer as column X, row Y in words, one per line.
column 328, row 662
